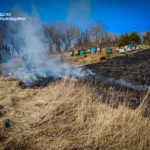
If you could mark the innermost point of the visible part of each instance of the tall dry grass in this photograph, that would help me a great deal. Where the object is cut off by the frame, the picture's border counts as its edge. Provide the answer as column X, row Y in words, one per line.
column 67, row 116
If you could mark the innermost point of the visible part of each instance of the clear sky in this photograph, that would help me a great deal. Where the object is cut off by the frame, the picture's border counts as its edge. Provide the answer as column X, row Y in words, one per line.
column 118, row 16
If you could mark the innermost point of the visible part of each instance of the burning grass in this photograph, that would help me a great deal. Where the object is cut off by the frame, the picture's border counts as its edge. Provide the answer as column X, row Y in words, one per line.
column 64, row 115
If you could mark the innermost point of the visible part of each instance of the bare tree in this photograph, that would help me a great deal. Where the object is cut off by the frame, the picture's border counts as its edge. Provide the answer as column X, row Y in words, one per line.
column 97, row 33
column 61, row 36
column 83, row 40
column 110, row 39
column 70, row 38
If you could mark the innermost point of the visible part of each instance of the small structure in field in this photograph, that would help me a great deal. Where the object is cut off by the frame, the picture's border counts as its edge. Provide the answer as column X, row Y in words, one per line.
column 138, row 47
column 99, row 49
column 94, row 49
column 82, row 51
column 133, row 48
column 129, row 46
column 109, row 51
column 122, row 50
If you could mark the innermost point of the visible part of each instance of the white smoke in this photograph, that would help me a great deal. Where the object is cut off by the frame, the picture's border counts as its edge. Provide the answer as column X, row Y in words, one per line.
column 33, row 48
column 79, row 12
column 122, row 83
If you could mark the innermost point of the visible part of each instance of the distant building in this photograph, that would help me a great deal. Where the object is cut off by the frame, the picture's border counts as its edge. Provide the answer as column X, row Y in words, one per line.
column 94, row 49
column 82, row 51
column 109, row 51
column 122, row 50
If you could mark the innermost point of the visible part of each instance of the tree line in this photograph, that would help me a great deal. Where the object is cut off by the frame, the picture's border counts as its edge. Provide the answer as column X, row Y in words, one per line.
column 133, row 39
column 146, row 38
column 65, row 36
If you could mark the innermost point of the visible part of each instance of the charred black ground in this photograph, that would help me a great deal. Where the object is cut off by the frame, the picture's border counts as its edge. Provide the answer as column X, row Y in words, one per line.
column 41, row 82
column 133, row 68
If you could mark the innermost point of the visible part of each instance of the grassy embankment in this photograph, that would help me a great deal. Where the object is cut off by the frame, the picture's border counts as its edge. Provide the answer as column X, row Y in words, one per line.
column 66, row 116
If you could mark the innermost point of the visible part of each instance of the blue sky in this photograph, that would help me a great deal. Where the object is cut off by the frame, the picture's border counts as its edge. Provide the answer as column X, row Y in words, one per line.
column 118, row 16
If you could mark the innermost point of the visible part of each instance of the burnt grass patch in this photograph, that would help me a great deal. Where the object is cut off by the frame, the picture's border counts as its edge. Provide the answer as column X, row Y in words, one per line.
column 134, row 68
column 40, row 83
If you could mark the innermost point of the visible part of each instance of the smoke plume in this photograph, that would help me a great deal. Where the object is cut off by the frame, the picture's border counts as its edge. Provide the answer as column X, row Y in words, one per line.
column 30, row 40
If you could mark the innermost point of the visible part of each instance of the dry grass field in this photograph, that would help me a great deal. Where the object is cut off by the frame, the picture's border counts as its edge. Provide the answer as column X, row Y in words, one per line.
column 64, row 115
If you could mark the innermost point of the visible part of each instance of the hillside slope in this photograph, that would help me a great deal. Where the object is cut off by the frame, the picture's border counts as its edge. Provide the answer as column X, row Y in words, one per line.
column 64, row 115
